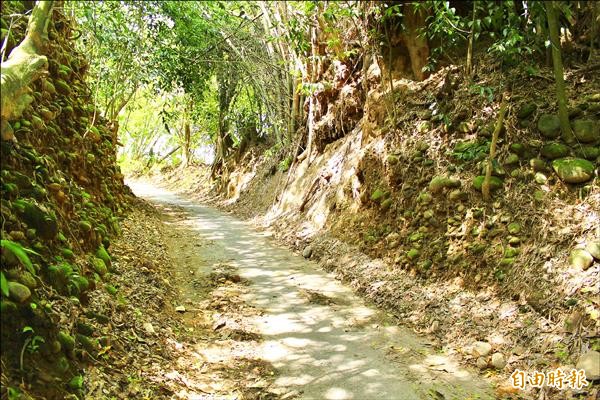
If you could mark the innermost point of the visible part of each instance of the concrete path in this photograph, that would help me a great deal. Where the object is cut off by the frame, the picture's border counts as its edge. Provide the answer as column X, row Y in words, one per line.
column 325, row 342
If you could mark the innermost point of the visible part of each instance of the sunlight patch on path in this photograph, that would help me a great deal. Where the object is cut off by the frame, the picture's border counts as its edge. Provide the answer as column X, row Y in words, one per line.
column 323, row 340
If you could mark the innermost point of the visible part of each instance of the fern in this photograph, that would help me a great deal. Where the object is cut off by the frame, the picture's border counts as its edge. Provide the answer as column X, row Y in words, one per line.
column 4, row 285
column 20, row 252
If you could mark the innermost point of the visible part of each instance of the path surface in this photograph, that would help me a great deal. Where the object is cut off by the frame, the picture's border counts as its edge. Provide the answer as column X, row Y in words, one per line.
column 323, row 340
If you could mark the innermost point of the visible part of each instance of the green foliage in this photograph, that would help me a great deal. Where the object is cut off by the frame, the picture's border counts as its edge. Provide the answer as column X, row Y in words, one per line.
column 13, row 393
column 484, row 91
column 4, row 285
column 470, row 150
column 20, row 253
column 284, row 164
column 76, row 383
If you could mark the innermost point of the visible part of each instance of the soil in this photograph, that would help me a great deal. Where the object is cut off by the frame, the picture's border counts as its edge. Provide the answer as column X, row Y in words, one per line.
column 263, row 322
column 158, row 352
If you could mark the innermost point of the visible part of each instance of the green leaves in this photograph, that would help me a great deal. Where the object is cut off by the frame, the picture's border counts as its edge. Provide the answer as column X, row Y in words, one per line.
column 20, row 253
column 4, row 285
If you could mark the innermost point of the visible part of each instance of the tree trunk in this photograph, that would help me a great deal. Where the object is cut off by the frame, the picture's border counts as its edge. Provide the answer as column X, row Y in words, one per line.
column 187, row 136
column 561, row 97
column 416, row 42
column 469, row 67
column 26, row 63
column 485, row 188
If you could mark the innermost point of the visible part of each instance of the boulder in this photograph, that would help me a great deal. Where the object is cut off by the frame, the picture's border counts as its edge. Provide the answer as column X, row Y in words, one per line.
column 538, row 165
column 481, row 349
column 514, row 228
column 554, row 150
column 512, row 159
column 526, row 110
column 518, row 149
column 590, row 363
column 379, row 195
column 587, row 152
column 498, row 361
column 593, row 247
column 307, row 252
column 99, row 266
column 386, row 204
column 413, row 254
column 586, row 130
column 495, row 182
column 18, row 292
column 581, row 259
column 438, row 183
column 573, row 170
column 549, row 126
column 38, row 218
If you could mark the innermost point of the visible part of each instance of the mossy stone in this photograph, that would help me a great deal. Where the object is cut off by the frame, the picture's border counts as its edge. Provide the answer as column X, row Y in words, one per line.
column 379, row 195
column 415, row 236
column 457, row 195
column 89, row 344
column 587, row 152
column 511, row 252
column 593, row 247
column 514, row 228
column 102, row 254
column 84, row 329
column 48, row 86
column 27, row 279
column 554, row 150
column 514, row 240
column 512, row 159
column 19, row 292
column 506, row 262
column 586, row 130
column 110, row 289
column 526, row 110
column 43, row 221
column 99, row 266
column 517, row 148
column 62, row 365
column 67, row 253
column 7, row 309
column 392, row 159
column 413, row 254
column 425, row 198
column 66, row 341
column 540, row 178
column 538, row 165
column 62, row 87
column 573, row 170
column 438, row 183
column 81, row 282
column 85, row 226
column 495, row 182
column 386, row 204
column 549, row 126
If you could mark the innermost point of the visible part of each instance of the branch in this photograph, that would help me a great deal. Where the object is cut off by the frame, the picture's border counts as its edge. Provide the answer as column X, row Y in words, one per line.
column 485, row 188
column 26, row 63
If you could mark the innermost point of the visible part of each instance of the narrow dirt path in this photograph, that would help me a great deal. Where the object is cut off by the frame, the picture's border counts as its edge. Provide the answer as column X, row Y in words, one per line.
column 317, row 339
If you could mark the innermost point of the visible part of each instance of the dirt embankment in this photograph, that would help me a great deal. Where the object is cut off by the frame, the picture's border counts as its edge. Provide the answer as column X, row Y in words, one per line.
column 62, row 197
column 395, row 208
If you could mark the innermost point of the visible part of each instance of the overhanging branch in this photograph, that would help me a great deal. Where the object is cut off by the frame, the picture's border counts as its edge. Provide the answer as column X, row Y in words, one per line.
column 26, row 63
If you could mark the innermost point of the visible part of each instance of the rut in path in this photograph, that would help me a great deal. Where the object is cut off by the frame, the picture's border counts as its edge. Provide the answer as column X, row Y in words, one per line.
column 323, row 340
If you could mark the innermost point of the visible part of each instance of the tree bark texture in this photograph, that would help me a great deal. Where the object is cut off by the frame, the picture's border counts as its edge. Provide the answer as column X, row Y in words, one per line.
column 485, row 188
column 26, row 63
column 561, row 97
